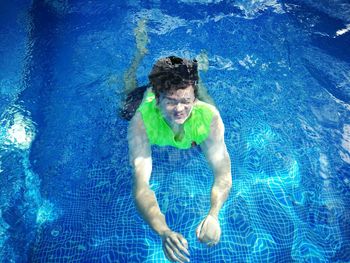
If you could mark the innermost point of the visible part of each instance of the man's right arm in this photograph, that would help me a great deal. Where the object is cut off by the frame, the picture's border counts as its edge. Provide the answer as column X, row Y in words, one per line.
column 175, row 246
column 141, row 162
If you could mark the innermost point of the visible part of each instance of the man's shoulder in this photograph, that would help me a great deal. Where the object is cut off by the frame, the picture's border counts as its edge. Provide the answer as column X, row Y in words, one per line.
column 216, row 126
column 212, row 108
column 208, row 105
column 136, row 123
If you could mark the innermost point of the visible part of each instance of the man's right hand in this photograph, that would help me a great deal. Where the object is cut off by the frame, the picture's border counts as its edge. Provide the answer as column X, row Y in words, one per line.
column 175, row 247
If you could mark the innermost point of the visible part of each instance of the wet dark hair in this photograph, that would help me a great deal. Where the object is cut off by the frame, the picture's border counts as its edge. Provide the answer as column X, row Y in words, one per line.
column 173, row 73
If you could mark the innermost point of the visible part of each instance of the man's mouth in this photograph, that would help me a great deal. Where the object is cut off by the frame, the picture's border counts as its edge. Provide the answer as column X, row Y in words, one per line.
column 179, row 116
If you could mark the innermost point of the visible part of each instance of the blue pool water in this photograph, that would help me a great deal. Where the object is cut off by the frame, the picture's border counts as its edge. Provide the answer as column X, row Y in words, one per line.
column 279, row 73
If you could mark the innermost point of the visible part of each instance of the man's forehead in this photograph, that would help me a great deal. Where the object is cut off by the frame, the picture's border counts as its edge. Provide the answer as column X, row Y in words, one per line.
column 188, row 92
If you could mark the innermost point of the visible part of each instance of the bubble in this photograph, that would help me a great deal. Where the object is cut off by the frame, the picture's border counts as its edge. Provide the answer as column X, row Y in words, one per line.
column 55, row 233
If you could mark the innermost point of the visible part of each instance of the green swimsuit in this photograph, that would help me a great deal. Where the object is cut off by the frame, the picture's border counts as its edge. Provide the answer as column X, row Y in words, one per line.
column 196, row 127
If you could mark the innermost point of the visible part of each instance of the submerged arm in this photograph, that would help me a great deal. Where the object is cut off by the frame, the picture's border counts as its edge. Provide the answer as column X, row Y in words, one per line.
column 141, row 162
column 218, row 158
column 174, row 244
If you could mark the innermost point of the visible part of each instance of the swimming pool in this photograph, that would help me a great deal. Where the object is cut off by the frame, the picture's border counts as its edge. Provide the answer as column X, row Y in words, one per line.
column 278, row 72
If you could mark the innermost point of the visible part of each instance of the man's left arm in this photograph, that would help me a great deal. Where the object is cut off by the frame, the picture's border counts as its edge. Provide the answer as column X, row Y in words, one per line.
column 215, row 150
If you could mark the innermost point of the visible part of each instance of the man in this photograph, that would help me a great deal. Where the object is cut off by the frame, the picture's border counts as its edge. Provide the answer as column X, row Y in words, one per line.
column 172, row 114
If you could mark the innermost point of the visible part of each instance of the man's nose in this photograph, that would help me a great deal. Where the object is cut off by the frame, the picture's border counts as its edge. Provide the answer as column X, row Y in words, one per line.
column 179, row 107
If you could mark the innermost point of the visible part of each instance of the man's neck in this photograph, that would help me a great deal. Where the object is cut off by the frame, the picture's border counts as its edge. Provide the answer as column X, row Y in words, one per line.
column 177, row 127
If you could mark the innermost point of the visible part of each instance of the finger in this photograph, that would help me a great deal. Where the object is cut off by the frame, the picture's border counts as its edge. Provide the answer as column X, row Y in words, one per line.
column 175, row 245
column 169, row 248
column 202, row 233
column 180, row 241
column 217, row 237
column 199, row 228
column 166, row 253
column 170, row 252
column 211, row 243
column 182, row 257
column 184, row 241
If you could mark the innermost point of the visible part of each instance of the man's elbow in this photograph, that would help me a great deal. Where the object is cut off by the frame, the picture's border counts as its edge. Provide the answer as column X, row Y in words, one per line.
column 224, row 182
column 224, row 178
column 138, row 198
column 228, row 177
column 228, row 182
column 140, row 191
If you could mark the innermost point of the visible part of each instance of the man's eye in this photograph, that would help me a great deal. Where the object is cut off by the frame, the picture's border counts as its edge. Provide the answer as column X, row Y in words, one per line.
column 173, row 102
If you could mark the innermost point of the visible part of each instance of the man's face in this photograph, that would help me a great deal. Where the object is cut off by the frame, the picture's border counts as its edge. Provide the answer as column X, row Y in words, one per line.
column 176, row 105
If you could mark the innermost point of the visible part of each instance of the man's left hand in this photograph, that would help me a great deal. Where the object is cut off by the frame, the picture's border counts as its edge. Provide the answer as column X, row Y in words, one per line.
column 209, row 231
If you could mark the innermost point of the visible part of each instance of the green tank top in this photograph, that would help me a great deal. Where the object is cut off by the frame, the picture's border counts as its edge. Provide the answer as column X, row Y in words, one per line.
column 196, row 127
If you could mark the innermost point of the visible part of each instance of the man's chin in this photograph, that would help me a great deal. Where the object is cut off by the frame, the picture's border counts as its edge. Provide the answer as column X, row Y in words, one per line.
column 179, row 121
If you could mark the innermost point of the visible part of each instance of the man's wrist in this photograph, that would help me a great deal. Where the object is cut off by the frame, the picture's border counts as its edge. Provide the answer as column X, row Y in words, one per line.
column 214, row 213
column 162, row 232
column 159, row 224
